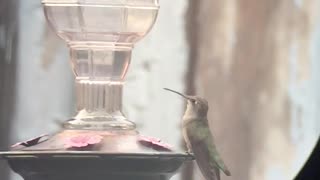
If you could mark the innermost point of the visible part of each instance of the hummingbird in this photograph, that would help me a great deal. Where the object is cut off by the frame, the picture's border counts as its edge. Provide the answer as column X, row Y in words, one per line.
column 199, row 139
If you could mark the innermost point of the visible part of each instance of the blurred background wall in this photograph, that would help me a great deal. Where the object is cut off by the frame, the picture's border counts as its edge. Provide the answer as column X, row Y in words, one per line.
column 8, row 64
column 257, row 62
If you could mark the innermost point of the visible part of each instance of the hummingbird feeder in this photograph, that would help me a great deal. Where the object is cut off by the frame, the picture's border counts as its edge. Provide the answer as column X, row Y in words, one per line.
column 99, row 142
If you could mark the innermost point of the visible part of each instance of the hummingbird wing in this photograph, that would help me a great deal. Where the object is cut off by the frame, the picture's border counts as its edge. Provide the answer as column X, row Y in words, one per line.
column 214, row 154
column 208, row 168
column 207, row 156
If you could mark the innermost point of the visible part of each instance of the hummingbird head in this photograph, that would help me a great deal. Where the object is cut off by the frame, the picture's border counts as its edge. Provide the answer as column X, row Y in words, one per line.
column 197, row 106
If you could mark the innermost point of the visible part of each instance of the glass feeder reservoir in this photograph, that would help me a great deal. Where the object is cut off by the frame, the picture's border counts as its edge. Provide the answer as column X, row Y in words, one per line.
column 101, row 35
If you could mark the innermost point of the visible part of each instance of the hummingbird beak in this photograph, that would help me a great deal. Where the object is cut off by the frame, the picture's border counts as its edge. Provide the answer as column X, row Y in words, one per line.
column 186, row 97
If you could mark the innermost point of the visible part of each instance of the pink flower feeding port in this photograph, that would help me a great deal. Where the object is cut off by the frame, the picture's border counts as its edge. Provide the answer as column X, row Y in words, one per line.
column 82, row 140
column 98, row 142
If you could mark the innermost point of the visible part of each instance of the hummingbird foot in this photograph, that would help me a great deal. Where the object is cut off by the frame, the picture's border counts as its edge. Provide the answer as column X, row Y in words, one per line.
column 189, row 152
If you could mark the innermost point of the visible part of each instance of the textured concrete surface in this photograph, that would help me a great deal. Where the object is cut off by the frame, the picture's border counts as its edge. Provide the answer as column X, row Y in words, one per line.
column 257, row 64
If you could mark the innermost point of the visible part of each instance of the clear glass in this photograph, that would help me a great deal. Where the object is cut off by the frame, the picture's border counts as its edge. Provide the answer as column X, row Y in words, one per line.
column 100, row 35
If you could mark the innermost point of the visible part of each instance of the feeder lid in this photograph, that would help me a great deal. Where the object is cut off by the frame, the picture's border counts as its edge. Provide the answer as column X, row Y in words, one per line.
column 144, row 3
